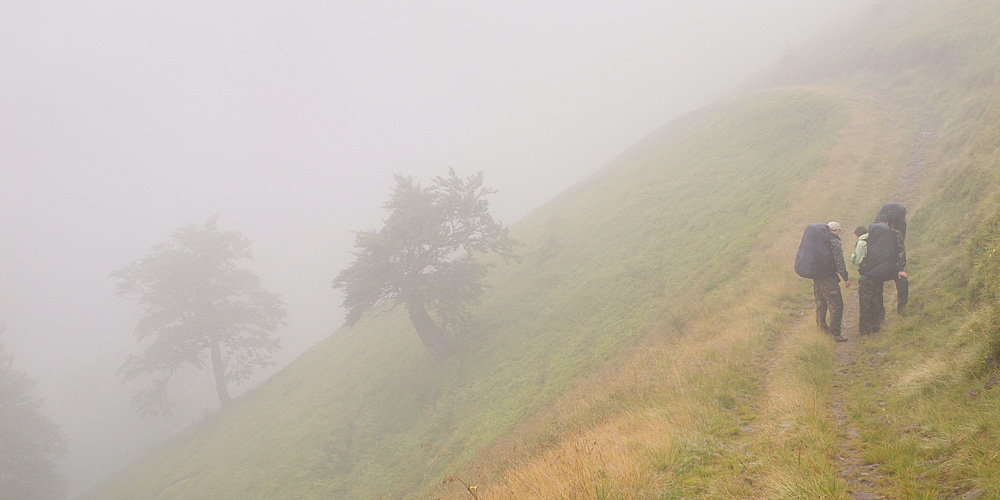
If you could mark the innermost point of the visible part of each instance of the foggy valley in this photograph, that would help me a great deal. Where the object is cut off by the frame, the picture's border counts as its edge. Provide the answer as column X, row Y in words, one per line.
column 123, row 122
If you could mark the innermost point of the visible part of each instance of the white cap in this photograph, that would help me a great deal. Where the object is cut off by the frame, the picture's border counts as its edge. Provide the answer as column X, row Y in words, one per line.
column 833, row 225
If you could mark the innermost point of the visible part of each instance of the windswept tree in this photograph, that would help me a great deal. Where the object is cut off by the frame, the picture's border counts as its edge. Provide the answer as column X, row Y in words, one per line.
column 423, row 257
column 30, row 444
column 200, row 309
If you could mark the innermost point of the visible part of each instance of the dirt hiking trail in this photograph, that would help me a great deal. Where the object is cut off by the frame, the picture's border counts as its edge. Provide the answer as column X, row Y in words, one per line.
column 863, row 479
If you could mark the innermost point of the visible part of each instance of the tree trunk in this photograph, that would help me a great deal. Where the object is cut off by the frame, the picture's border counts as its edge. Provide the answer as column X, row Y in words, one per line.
column 429, row 332
column 219, row 368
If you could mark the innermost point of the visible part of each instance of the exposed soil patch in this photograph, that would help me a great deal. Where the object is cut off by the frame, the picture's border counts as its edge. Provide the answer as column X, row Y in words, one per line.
column 915, row 169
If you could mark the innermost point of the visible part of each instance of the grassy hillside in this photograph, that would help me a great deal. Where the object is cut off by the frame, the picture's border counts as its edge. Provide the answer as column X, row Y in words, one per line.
column 753, row 404
column 368, row 413
column 652, row 341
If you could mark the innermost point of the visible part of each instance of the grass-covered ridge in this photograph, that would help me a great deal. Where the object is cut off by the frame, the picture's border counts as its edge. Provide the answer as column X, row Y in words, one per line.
column 789, row 412
column 653, row 342
column 707, row 403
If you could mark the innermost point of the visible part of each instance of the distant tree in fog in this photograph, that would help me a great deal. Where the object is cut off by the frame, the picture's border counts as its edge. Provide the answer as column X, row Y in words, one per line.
column 423, row 257
column 200, row 309
column 30, row 444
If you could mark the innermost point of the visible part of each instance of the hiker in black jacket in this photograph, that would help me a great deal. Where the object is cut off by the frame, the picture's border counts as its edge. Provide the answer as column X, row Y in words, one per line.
column 885, row 261
column 826, row 291
column 894, row 215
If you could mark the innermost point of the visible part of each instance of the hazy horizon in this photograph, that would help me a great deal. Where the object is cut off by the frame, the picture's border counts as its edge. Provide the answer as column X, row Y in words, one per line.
column 123, row 122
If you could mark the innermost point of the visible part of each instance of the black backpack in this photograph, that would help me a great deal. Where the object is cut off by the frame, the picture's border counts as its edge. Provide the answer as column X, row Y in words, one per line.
column 815, row 259
column 894, row 215
column 880, row 261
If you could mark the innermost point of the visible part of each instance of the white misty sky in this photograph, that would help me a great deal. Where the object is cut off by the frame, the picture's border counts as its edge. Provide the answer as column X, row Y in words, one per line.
column 121, row 120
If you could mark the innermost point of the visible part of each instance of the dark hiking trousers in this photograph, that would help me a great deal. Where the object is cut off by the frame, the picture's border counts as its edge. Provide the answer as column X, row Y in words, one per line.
column 902, row 294
column 826, row 291
column 871, row 310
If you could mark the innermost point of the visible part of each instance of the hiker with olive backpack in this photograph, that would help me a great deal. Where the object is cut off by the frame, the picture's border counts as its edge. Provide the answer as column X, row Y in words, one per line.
column 821, row 259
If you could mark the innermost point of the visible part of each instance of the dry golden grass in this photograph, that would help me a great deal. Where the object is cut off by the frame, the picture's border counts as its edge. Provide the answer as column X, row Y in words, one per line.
column 641, row 411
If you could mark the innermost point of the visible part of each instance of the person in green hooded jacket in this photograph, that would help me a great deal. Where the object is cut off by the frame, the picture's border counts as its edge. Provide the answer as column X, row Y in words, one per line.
column 861, row 248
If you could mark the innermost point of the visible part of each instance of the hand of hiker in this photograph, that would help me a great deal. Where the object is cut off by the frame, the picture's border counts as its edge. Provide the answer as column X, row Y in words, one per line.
column 902, row 274
column 847, row 283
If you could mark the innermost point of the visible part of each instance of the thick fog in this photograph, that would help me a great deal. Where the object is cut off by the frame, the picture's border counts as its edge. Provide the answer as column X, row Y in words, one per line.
column 120, row 121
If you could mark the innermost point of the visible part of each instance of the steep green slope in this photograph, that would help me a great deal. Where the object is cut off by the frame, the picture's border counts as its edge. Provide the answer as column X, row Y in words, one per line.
column 367, row 413
column 908, row 413
column 658, row 249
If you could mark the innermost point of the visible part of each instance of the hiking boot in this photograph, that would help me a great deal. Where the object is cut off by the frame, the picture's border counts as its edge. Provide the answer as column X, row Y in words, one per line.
column 839, row 338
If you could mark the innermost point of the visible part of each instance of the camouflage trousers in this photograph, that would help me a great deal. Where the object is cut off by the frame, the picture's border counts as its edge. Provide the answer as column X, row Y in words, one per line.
column 871, row 308
column 826, row 291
